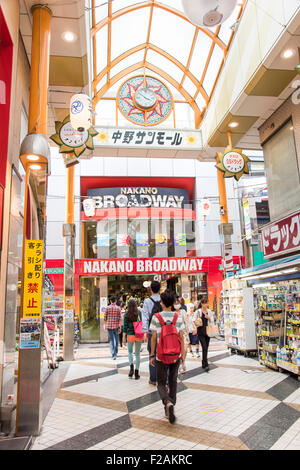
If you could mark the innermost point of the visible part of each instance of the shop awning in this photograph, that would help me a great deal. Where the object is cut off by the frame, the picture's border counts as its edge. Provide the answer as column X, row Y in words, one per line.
column 282, row 267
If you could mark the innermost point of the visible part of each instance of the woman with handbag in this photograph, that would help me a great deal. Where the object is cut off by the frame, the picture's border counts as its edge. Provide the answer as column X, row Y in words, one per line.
column 203, row 317
column 132, row 326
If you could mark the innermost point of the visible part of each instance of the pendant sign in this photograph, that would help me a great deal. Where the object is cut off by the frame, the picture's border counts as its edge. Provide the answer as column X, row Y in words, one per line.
column 72, row 142
column 233, row 163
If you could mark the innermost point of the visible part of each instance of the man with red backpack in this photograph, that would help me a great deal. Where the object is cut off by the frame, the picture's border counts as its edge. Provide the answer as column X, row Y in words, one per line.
column 150, row 307
column 167, row 332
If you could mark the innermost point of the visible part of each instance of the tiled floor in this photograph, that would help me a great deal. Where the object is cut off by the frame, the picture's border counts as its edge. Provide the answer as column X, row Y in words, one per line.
column 237, row 405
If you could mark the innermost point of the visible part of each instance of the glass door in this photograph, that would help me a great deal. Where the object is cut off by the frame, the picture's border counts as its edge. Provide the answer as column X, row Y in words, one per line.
column 89, row 309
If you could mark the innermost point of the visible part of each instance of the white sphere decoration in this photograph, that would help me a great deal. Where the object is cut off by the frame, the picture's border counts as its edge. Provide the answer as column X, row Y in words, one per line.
column 81, row 112
column 208, row 13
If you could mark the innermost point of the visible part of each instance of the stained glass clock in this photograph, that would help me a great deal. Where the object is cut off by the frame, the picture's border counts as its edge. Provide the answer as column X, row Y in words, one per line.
column 145, row 101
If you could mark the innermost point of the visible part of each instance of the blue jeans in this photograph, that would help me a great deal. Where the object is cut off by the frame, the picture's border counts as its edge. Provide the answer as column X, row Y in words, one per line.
column 152, row 370
column 113, row 341
column 137, row 354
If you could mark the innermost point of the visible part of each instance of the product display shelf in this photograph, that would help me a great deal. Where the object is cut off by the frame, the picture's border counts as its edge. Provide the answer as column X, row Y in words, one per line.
column 239, row 323
column 270, row 310
column 288, row 358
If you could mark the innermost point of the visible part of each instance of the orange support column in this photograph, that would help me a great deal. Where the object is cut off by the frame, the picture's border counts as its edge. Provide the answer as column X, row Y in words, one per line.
column 28, row 418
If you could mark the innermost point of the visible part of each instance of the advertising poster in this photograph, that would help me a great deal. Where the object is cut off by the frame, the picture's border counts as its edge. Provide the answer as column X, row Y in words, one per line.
column 30, row 334
column 103, row 239
column 122, row 239
column 161, row 238
column 142, row 239
column 103, row 305
column 180, row 239
column 33, row 279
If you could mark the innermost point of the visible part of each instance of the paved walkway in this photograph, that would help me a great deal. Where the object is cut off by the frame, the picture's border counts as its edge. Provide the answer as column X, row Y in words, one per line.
column 237, row 405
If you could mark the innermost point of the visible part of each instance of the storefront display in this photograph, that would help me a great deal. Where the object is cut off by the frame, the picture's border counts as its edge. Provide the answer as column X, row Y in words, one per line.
column 278, row 325
column 269, row 319
column 239, row 322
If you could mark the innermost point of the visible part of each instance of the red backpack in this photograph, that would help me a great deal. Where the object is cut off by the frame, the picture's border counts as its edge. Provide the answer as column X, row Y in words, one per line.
column 169, row 346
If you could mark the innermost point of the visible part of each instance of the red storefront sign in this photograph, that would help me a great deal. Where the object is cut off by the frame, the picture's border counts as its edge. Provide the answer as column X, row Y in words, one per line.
column 282, row 236
column 143, row 266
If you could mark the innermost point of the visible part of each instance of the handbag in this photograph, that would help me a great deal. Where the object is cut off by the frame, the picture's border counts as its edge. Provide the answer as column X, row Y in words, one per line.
column 198, row 322
column 212, row 330
column 138, row 329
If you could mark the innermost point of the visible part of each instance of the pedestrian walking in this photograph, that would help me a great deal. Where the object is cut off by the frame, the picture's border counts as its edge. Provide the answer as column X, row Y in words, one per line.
column 123, row 310
column 189, row 328
column 167, row 336
column 132, row 327
column 205, row 316
column 112, row 322
column 183, row 306
column 194, row 340
column 150, row 307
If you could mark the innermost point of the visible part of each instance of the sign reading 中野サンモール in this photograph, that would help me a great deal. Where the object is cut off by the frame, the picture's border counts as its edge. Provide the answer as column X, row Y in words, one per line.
column 233, row 163
column 33, row 279
column 282, row 236
column 139, row 197
column 143, row 266
column 154, row 138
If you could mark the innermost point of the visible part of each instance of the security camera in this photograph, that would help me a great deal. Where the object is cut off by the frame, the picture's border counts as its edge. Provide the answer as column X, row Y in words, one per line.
column 208, row 13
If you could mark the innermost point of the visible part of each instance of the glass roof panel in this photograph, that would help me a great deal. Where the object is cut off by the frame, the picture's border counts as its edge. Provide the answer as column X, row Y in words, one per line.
column 101, row 11
column 122, row 40
column 164, row 64
column 200, row 54
column 101, row 45
column 154, row 36
column 168, row 31
column 130, row 60
column 212, row 70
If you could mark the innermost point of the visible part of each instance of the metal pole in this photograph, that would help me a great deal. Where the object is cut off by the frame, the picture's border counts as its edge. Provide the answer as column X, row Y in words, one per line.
column 69, row 272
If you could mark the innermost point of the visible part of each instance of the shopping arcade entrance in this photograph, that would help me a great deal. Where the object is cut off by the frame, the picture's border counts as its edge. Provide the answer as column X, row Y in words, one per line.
column 96, row 291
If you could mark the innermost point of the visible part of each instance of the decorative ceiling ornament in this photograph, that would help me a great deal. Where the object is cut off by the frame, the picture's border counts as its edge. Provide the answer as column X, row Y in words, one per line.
column 233, row 163
column 71, row 141
column 208, row 13
column 144, row 100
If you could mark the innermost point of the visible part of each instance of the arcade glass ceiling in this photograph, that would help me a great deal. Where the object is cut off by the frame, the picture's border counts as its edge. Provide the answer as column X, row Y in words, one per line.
column 151, row 44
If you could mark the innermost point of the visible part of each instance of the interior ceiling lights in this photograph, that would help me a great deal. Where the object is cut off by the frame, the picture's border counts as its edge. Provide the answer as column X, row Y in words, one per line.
column 288, row 53
column 69, row 36
column 208, row 13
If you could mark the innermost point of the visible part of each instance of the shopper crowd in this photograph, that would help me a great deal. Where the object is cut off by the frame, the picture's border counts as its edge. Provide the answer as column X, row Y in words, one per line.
column 170, row 328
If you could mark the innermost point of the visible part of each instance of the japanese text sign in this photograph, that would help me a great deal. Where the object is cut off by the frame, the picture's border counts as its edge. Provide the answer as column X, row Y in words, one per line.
column 33, row 279
column 282, row 236
column 157, row 138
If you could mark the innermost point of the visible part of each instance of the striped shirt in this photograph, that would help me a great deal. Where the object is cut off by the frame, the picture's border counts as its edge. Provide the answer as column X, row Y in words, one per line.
column 112, row 317
column 167, row 317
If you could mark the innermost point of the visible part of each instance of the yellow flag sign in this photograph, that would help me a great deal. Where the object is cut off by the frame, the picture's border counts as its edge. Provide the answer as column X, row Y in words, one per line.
column 33, row 279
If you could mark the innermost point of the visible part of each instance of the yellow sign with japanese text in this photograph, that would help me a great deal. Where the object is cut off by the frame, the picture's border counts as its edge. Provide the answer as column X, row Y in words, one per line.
column 33, row 279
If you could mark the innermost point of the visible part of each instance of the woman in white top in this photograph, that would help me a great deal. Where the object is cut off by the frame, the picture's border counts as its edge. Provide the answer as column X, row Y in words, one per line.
column 188, row 323
column 207, row 317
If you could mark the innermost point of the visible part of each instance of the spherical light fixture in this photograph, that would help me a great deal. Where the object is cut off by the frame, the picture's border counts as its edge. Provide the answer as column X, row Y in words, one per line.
column 208, row 13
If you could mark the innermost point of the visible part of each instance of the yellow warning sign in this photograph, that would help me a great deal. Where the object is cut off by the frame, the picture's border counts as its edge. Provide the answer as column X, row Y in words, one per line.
column 33, row 279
